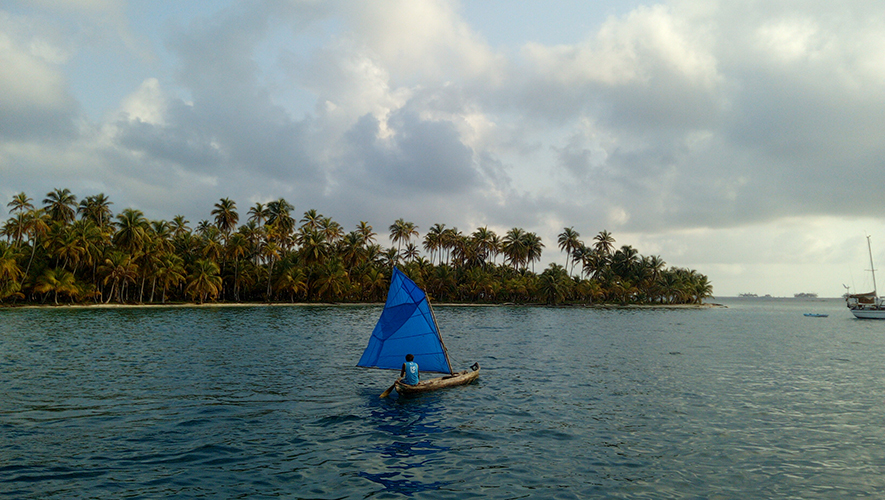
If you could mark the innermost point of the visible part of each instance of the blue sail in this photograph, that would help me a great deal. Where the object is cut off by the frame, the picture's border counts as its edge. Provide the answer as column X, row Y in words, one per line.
column 406, row 326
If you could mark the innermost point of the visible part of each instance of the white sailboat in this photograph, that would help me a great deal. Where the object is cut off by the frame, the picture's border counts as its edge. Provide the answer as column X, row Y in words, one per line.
column 867, row 305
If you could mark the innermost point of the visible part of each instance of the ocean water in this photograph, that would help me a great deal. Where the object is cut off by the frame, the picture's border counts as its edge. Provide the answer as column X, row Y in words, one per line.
column 749, row 401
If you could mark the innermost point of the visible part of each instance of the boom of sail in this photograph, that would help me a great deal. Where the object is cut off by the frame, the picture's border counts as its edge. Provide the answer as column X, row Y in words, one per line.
column 406, row 326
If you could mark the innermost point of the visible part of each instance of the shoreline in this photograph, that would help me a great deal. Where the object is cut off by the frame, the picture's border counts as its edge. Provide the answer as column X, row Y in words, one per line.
column 349, row 304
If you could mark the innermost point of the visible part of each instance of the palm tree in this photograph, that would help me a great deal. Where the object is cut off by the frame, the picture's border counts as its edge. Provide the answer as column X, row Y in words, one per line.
column 57, row 281
column 605, row 243
column 352, row 250
column 96, row 208
column 448, row 241
column 433, row 240
column 132, row 230
column 179, row 226
column 411, row 253
column 389, row 258
column 212, row 244
column 270, row 252
column 495, row 246
column 374, row 283
column 279, row 216
column 625, row 262
column 203, row 226
column 20, row 203
column 402, row 232
column 292, row 280
column 533, row 247
column 569, row 242
column 203, row 281
column 170, row 272
column 15, row 228
column 258, row 213
column 366, row 233
column 311, row 219
column 554, row 283
column 333, row 231
column 10, row 271
column 119, row 269
column 333, row 281
column 514, row 248
column 485, row 241
column 314, row 247
column 60, row 205
column 237, row 247
column 67, row 246
column 226, row 216
column 37, row 226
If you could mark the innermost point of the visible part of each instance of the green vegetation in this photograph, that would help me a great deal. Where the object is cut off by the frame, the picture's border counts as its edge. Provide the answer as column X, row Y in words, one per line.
column 69, row 252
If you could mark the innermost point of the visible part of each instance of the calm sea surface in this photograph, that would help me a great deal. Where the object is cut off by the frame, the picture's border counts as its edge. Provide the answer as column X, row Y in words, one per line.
column 750, row 401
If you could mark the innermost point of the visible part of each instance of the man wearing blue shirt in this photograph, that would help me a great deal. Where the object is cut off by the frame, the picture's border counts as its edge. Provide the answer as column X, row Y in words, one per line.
column 410, row 371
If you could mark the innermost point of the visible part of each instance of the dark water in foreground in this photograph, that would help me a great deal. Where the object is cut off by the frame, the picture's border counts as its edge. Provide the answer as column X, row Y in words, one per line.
column 751, row 401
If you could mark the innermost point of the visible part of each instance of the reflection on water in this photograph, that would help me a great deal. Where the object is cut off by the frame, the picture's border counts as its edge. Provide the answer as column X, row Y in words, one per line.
column 411, row 426
column 750, row 401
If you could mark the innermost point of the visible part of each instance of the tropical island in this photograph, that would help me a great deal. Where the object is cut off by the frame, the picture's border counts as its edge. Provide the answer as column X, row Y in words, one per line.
column 67, row 251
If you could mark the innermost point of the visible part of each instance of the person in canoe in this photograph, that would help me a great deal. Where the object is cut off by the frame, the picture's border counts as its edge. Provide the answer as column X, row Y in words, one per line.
column 409, row 373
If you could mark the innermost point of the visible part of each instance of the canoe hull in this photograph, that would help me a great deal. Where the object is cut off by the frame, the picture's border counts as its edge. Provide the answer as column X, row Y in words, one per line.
column 433, row 384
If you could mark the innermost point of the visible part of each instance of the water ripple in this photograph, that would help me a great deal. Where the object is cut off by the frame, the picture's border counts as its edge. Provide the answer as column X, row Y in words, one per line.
column 572, row 403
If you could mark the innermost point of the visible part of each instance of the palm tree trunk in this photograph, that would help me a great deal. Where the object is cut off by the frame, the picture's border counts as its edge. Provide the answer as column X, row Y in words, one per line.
column 236, row 281
column 113, row 289
column 269, row 276
column 33, row 250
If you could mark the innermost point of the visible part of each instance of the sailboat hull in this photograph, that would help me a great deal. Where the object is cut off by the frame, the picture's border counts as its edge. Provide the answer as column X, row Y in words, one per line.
column 868, row 313
column 461, row 378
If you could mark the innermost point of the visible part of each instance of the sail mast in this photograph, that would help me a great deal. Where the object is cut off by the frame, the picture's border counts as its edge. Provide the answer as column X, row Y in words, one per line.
column 872, row 268
column 438, row 334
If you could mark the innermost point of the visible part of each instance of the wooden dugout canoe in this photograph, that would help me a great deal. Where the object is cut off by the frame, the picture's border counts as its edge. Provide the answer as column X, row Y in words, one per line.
column 461, row 378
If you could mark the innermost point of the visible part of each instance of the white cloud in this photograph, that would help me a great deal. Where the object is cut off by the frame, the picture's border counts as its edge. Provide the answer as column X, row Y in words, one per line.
column 649, row 44
column 789, row 40
column 147, row 104
column 426, row 40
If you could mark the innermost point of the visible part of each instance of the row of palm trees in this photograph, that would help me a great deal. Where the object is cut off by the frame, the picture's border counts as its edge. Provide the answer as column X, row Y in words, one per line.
column 82, row 252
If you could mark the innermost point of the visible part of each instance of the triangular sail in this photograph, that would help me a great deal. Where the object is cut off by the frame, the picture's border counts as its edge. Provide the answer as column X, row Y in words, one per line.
column 406, row 326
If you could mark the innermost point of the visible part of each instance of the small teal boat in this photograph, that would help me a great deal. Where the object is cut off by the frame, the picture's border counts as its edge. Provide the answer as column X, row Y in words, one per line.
column 816, row 315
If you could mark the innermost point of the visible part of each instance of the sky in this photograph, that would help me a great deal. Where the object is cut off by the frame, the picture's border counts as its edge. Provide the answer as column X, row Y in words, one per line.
column 740, row 139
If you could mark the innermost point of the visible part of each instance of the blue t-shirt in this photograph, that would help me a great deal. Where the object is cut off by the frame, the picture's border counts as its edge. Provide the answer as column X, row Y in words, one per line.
column 411, row 373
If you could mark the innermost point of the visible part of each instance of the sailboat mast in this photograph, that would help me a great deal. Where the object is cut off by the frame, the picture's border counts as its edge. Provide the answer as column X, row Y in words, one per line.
column 438, row 334
column 872, row 268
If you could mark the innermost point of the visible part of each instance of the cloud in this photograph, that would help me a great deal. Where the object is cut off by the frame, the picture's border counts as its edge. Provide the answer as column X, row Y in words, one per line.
column 35, row 102
column 679, row 121
column 416, row 156
column 425, row 40
column 649, row 69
